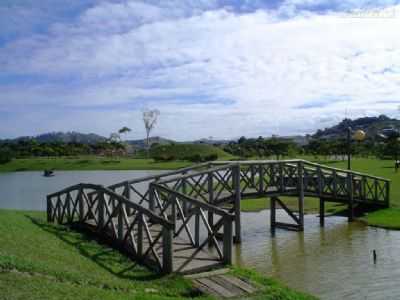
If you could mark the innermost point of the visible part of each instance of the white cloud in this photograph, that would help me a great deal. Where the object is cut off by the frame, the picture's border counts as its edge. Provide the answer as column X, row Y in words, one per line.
column 210, row 71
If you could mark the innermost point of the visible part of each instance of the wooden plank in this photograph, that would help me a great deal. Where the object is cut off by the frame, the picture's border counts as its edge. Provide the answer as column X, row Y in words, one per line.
column 208, row 274
column 231, row 286
column 248, row 288
column 218, row 289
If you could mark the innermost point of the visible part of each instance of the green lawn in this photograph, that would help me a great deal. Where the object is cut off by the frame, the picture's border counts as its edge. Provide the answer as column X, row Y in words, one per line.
column 44, row 261
column 89, row 163
column 311, row 205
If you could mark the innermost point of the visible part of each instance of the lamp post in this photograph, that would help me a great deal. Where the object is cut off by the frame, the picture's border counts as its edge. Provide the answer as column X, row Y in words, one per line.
column 359, row 136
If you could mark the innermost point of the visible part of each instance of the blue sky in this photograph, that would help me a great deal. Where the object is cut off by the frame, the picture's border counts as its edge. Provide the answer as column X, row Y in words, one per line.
column 213, row 68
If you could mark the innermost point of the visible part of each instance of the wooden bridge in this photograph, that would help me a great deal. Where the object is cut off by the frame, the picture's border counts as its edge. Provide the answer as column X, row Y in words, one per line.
column 186, row 221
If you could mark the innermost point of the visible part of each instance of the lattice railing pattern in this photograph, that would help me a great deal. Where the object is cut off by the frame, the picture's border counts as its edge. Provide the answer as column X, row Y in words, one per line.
column 214, row 222
column 135, row 229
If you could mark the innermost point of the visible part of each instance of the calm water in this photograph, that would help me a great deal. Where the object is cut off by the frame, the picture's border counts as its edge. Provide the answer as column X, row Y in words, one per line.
column 28, row 190
column 334, row 262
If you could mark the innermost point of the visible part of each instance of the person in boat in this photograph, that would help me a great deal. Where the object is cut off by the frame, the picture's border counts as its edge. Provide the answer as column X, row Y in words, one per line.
column 48, row 173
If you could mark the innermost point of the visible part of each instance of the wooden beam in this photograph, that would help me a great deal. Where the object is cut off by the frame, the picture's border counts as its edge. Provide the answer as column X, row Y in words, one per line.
column 236, row 185
column 300, row 179
column 273, row 213
column 168, row 250
column 351, row 197
column 227, row 241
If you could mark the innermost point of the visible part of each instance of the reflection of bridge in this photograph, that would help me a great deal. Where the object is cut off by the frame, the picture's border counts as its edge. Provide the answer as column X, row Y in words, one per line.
column 182, row 221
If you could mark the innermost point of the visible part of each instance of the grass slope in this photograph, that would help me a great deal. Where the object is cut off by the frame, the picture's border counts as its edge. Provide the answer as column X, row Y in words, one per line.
column 89, row 163
column 44, row 261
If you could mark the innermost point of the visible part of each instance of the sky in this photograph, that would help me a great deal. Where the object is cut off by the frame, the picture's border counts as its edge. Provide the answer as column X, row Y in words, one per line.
column 219, row 69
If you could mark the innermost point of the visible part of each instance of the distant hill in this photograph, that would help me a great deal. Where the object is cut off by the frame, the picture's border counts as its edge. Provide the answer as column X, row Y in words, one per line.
column 141, row 144
column 373, row 127
column 66, row 137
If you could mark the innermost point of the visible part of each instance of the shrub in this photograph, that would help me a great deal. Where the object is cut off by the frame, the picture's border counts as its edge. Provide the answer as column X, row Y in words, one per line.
column 5, row 155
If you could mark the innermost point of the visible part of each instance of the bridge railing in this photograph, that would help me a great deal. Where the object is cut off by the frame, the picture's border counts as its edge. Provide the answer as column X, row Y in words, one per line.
column 137, row 190
column 323, row 181
column 131, row 227
column 199, row 225
column 282, row 177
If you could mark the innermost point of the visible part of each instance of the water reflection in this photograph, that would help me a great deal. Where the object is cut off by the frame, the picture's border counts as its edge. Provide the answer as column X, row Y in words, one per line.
column 334, row 262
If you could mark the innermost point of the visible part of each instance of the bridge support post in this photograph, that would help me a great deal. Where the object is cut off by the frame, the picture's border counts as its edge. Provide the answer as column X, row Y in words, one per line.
column 127, row 195
column 50, row 213
column 321, row 212
column 197, row 228
column 168, row 250
column 273, row 213
column 301, row 194
column 261, row 179
column 100, row 204
column 210, row 217
column 236, row 185
column 81, row 205
column 184, row 191
column 151, row 198
column 351, row 197
column 227, row 240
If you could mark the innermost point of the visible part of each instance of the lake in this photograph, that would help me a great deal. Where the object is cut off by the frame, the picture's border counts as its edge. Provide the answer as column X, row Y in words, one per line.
column 334, row 262
column 28, row 190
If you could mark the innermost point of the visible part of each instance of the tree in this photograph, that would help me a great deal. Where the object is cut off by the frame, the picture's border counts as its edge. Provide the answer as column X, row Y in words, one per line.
column 150, row 119
column 124, row 130
column 115, row 137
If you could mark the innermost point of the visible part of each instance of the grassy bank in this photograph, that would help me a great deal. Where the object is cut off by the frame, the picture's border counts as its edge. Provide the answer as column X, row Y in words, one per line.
column 89, row 163
column 311, row 205
column 45, row 261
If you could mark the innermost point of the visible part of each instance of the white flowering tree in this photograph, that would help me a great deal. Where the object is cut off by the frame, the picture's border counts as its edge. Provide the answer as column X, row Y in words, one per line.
column 150, row 120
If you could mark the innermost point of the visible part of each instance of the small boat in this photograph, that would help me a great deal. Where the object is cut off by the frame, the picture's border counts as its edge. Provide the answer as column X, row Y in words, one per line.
column 48, row 173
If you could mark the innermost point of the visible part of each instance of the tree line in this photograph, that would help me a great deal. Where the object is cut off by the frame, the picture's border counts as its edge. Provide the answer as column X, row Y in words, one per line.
column 32, row 148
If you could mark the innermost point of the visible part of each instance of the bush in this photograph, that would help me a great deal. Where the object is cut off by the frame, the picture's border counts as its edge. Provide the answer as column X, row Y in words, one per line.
column 192, row 152
column 5, row 156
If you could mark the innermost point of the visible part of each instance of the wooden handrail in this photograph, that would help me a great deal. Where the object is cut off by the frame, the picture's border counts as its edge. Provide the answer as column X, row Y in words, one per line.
column 99, row 188
column 203, row 205
column 158, row 176
column 196, row 174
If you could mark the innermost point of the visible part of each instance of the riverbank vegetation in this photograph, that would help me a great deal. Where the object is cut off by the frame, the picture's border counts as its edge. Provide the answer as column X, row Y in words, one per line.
column 190, row 152
column 85, row 163
column 45, row 261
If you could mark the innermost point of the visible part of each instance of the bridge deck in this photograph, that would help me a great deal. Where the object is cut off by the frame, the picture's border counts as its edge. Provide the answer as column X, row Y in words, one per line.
column 187, row 259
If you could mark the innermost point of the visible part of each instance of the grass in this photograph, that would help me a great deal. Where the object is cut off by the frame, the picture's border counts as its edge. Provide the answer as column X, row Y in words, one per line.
column 89, row 163
column 311, row 205
column 386, row 218
column 44, row 261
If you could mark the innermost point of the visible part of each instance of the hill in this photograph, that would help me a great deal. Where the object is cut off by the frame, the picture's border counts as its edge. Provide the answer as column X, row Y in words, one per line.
column 141, row 143
column 373, row 127
column 65, row 137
